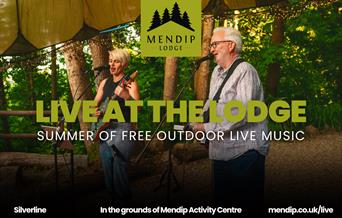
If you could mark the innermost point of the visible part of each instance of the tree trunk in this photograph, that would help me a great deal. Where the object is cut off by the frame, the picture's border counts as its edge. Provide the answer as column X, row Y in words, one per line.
column 4, row 119
column 340, row 83
column 78, row 80
column 29, row 73
column 170, row 79
column 169, row 92
column 53, row 68
column 202, row 75
column 221, row 22
column 273, row 74
column 99, row 47
column 47, row 160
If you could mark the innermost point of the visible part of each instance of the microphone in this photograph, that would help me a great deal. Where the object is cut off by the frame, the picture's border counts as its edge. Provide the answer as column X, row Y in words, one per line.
column 207, row 57
column 100, row 68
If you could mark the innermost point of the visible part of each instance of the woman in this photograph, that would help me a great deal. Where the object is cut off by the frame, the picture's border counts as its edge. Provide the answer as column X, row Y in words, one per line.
column 115, row 152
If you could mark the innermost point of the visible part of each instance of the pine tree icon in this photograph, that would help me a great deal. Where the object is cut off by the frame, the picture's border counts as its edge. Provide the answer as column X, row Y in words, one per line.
column 186, row 22
column 166, row 16
column 176, row 15
column 156, row 22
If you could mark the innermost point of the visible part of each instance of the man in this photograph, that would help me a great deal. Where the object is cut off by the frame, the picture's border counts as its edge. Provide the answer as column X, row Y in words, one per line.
column 115, row 152
column 238, row 165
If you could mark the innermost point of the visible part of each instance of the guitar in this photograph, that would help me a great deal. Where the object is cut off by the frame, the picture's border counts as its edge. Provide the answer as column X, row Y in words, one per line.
column 99, row 126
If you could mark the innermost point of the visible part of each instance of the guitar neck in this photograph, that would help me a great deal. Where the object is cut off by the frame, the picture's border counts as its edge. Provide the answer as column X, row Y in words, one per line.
column 114, row 97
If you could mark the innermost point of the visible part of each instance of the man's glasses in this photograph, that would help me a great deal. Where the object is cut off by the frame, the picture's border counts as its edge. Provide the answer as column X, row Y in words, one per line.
column 214, row 44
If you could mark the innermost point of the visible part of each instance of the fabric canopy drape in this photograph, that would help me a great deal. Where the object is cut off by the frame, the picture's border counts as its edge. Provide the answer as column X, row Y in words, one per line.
column 27, row 25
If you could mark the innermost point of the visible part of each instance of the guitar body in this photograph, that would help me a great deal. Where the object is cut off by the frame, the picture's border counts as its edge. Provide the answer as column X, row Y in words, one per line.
column 99, row 126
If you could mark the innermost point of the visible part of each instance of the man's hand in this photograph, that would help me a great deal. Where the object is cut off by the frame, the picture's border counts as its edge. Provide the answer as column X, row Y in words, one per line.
column 198, row 127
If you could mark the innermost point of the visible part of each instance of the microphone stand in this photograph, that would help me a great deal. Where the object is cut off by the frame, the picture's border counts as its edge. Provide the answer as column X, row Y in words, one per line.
column 72, row 150
column 56, row 144
column 169, row 169
column 98, row 72
column 139, row 157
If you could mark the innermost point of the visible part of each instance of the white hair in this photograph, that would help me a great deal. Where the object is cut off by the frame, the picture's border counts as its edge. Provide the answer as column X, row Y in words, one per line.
column 231, row 34
column 121, row 55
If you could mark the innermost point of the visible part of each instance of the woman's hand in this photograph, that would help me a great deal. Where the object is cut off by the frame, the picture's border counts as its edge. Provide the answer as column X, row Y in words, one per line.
column 98, row 112
column 122, row 93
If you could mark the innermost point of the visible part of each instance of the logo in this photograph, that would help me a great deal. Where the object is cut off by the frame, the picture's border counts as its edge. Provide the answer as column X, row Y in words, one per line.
column 171, row 28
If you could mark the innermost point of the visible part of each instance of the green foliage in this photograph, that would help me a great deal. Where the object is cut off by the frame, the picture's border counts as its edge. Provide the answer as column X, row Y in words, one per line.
column 323, row 116
column 310, row 59
column 18, row 93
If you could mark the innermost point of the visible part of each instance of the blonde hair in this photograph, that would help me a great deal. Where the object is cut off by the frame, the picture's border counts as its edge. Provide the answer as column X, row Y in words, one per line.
column 121, row 55
column 231, row 34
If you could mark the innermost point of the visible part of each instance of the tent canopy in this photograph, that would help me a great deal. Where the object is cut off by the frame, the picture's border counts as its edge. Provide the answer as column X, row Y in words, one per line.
column 27, row 25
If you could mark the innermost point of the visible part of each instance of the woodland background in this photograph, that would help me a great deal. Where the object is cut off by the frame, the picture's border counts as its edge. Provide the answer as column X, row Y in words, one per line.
column 296, row 50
